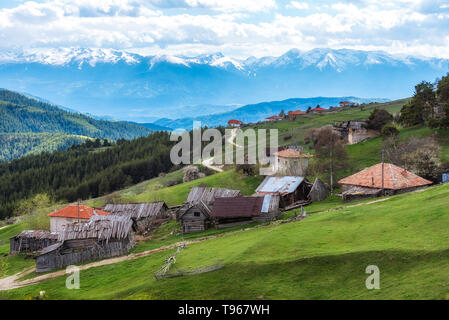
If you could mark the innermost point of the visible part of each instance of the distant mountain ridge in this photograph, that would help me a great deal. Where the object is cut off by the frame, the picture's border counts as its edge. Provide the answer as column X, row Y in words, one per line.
column 259, row 111
column 134, row 87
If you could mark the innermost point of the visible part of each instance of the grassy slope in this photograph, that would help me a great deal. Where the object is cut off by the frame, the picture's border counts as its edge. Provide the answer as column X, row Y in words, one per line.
column 321, row 257
column 298, row 127
column 151, row 190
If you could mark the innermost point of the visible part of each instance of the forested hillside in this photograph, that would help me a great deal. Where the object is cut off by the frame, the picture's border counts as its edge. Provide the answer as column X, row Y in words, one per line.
column 20, row 114
column 15, row 145
column 83, row 171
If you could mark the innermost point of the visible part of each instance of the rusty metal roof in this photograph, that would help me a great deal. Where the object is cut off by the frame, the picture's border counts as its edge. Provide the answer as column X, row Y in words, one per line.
column 395, row 178
column 237, row 207
column 281, row 185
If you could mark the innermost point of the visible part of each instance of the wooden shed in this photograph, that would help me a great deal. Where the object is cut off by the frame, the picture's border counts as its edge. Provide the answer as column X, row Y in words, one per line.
column 292, row 190
column 195, row 213
column 32, row 241
column 102, row 237
column 144, row 215
column 319, row 191
column 230, row 212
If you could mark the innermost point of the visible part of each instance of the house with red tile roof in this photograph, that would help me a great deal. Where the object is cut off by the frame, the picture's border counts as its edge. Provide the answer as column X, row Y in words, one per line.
column 346, row 104
column 381, row 178
column 59, row 219
column 273, row 118
column 318, row 110
column 297, row 113
column 292, row 161
column 234, row 123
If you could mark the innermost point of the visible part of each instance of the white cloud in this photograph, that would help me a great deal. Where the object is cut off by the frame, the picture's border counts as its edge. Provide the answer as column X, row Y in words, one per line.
column 298, row 5
column 239, row 28
column 218, row 5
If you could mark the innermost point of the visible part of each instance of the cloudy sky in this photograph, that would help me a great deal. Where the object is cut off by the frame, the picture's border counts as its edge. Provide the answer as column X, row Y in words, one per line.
column 238, row 28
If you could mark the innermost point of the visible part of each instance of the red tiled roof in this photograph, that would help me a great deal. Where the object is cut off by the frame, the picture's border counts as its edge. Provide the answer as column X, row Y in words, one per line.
column 291, row 153
column 274, row 118
column 234, row 121
column 318, row 109
column 395, row 178
column 296, row 113
column 237, row 207
column 71, row 211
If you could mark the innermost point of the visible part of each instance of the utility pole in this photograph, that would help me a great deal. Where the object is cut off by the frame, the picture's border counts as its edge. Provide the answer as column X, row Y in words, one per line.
column 383, row 174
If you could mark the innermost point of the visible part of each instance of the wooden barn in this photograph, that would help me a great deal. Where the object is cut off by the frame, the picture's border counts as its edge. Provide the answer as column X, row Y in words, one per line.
column 292, row 190
column 195, row 213
column 319, row 191
column 102, row 237
column 230, row 212
column 144, row 215
column 32, row 240
column 382, row 178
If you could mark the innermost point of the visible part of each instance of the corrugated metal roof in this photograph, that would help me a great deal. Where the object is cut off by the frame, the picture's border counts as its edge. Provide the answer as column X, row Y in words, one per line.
column 266, row 203
column 281, row 185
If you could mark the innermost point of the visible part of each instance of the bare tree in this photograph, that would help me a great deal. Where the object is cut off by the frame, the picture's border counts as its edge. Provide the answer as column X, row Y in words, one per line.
column 421, row 156
column 330, row 154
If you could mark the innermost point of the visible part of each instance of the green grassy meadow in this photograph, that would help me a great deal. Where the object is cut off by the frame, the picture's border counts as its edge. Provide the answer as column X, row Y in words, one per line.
column 321, row 257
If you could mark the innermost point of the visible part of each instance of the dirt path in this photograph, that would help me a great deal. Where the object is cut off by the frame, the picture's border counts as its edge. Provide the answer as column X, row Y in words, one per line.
column 209, row 163
column 11, row 282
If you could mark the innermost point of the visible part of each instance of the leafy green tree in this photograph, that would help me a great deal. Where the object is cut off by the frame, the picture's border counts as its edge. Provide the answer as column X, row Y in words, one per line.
column 389, row 131
column 378, row 119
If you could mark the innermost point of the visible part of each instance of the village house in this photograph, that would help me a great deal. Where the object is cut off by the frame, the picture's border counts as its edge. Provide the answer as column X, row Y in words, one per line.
column 354, row 131
column 100, row 238
column 318, row 110
column 294, row 114
column 382, row 178
column 293, row 190
column 346, row 104
column 230, row 212
column 32, row 240
column 59, row 219
column 145, row 216
column 292, row 162
column 195, row 214
column 273, row 118
column 235, row 123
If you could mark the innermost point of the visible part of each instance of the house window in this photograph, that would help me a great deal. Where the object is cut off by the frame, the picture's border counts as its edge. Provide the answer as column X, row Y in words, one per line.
column 196, row 214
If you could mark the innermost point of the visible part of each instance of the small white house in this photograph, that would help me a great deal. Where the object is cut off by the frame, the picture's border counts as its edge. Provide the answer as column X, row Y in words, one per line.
column 72, row 213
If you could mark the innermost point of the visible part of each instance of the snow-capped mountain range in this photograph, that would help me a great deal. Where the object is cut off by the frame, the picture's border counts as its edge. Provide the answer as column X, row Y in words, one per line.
column 130, row 86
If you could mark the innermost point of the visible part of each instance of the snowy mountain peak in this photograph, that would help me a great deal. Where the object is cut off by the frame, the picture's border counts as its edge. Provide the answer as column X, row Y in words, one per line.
column 320, row 59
